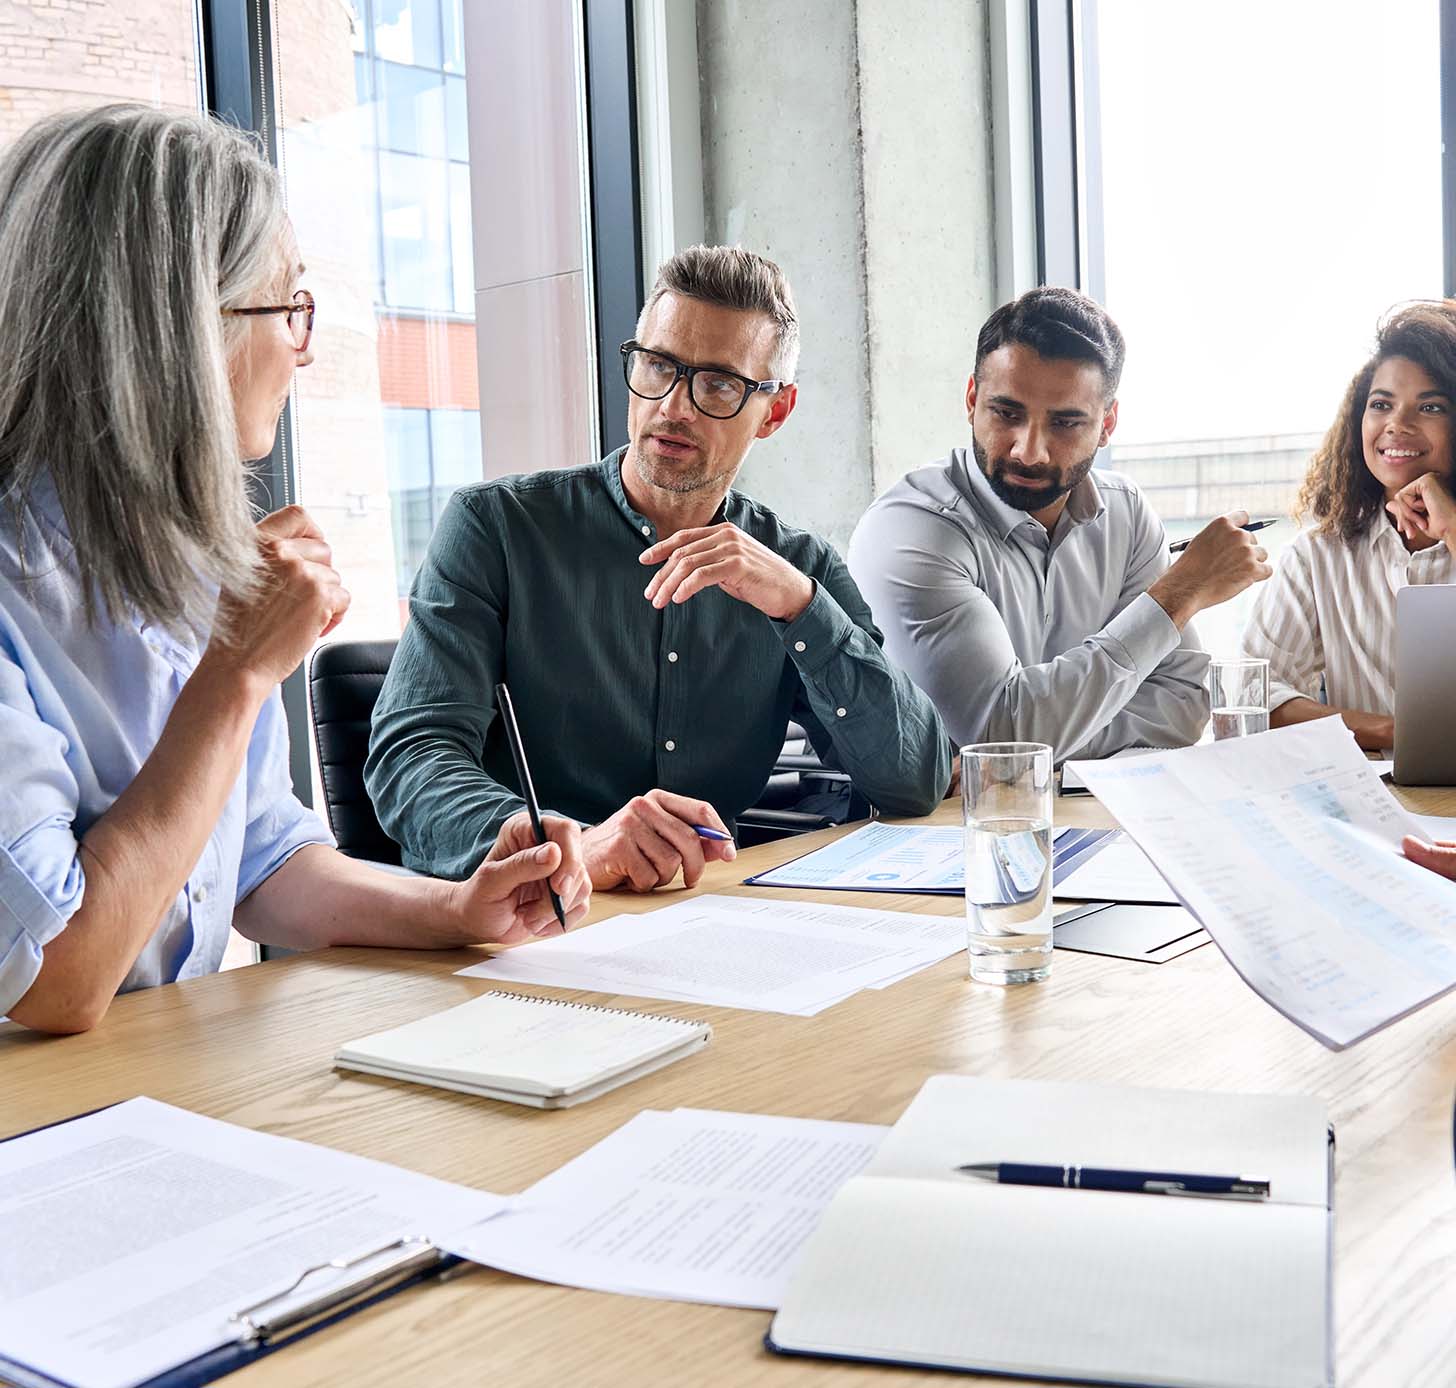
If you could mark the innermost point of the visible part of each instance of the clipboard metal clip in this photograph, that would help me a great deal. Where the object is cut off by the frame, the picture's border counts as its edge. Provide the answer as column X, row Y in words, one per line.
column 412, row 1254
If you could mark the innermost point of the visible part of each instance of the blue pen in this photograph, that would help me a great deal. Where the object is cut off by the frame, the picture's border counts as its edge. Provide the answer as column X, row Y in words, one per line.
column 703, row 832
column 1105, row 1178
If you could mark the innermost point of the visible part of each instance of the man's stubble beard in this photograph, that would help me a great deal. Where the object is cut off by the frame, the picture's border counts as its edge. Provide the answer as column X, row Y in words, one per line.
column 1028, row 498
column 680, row 479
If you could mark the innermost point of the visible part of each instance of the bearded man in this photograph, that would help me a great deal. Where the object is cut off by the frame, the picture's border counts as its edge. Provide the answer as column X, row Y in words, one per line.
column 1029, row 594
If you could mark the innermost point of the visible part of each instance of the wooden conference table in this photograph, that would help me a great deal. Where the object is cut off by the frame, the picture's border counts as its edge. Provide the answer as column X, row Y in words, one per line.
column 254, row 1046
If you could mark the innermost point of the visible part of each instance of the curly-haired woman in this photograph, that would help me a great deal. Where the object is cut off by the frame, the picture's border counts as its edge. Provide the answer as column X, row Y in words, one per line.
column 1380, row 492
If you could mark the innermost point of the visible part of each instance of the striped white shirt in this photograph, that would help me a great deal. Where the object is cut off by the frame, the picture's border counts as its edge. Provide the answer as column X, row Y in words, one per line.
column 1329, row 611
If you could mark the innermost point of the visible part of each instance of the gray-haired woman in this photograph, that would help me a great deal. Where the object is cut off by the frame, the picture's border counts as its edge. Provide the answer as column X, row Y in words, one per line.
column 150, row 323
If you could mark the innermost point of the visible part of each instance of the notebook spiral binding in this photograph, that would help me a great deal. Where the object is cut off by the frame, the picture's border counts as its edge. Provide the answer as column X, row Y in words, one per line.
column 591, row 1007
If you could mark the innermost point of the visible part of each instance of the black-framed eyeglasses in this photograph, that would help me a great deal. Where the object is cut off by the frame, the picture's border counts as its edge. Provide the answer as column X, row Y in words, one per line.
column 300, row 316
column 716, row 393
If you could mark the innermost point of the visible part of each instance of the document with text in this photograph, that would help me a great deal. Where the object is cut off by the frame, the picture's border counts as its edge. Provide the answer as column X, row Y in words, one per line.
column 1286, row 846
column 754, row 953
column 691, row 1205
column 130, row 1237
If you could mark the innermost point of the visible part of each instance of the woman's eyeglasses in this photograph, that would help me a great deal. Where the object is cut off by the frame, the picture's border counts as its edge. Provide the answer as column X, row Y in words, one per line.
column 300, row 316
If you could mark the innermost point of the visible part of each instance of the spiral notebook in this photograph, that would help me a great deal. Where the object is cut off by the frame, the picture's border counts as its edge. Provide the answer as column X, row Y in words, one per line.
column 545, row 1052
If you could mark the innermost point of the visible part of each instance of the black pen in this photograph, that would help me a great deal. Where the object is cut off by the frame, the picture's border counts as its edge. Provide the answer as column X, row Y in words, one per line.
column 523, row 775
column 1012, row 1173
column 1178, row 546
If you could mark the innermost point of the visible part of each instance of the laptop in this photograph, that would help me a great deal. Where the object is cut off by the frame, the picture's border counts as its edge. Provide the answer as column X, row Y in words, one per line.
column 1425, row 685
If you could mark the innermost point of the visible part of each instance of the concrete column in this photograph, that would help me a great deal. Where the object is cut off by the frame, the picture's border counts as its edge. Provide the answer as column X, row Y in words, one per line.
column 850, row 142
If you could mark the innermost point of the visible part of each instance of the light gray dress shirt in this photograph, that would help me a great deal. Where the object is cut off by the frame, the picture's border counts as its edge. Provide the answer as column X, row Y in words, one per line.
column 1018, row 635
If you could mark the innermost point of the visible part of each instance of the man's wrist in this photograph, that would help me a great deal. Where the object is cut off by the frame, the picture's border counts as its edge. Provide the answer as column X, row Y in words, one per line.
column 798, row 606
column 1176, row 599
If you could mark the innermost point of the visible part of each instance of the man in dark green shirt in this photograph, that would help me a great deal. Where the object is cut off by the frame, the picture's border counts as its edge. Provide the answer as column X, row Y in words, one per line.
column 657, row 629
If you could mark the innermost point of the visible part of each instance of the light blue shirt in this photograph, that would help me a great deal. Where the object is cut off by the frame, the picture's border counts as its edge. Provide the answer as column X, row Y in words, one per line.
column 81, row 709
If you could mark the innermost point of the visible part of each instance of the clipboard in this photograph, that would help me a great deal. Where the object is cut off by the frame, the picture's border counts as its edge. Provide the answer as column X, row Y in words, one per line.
column 266, row 1326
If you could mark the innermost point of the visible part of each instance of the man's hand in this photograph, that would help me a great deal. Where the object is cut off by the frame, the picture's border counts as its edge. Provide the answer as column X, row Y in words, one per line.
column 723, row 556
column 650, row 838
column 1425, row 510
column 1219, row 563
column 300, row 598
column 1439, row 857
column 506, row 900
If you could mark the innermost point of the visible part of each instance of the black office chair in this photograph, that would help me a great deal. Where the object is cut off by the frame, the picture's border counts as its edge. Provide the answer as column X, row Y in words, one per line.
column 344, row 680
column 801, row 795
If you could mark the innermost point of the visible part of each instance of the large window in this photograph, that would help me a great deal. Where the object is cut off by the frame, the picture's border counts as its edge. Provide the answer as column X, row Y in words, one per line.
column 435, row 169
column 1260, row 183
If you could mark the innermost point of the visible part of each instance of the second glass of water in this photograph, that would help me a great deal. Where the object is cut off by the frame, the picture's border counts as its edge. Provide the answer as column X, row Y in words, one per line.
column 1006, row 799
column 1239, row 689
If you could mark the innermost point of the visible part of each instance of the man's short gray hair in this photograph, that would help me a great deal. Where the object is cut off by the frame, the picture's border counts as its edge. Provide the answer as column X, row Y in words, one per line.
column 123, row 232
column 734, row 278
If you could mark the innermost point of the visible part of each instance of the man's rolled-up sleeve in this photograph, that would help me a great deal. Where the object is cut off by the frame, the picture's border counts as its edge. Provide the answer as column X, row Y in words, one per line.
column 41, row 878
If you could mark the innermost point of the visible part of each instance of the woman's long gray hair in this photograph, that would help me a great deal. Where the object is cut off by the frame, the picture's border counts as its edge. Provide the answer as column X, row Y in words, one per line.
column 123, row 233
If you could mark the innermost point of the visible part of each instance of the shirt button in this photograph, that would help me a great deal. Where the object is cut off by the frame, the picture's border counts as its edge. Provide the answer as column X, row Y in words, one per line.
column 199, row 894
column 647, row 530
column 839, row 712
column 670, row 745
column 672, row 656
column 800, row 646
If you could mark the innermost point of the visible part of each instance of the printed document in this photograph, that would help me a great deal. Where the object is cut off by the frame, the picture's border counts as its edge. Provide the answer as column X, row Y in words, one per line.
column 753, row 953
column 132, row 1235
column 690, row 1205
column 1286, row 846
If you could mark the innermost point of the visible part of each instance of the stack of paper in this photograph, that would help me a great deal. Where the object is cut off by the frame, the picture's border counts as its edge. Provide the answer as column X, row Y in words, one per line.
column 760, row 955
column 690, row 1205
column 1286, row 847
column 133, row 1235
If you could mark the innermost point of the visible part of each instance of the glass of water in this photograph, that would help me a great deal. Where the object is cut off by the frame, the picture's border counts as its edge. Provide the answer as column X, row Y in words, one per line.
column 1239, row 689
column 1006, row 798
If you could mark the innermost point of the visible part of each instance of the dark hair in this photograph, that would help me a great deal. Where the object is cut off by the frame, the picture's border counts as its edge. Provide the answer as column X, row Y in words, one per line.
column 1061, row 325
column 1342, row 494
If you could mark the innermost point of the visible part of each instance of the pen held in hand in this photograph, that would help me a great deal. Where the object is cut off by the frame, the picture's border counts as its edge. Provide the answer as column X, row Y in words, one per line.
column 523, row 775
column 1008, row 1173
column 717, row 835
column 1178, row 546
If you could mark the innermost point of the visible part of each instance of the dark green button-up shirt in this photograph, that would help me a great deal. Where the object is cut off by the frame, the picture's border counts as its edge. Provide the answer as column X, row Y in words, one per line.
column 535, row 580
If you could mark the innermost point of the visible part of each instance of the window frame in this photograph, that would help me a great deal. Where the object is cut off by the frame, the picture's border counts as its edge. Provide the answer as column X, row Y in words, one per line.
column 238, row 73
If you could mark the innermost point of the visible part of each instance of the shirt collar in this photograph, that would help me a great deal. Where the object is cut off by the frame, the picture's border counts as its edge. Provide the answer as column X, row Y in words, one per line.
column 611, row 468
column 1084, row 504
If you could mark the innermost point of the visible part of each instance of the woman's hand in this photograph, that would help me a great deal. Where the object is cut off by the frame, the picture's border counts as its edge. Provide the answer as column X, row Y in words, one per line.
column 1439, row 857
column 506, row 901
column 1425, row 510
column 300, row 599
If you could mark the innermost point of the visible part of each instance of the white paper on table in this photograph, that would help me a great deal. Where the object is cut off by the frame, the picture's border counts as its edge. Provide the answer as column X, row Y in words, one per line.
column 1437, row 828
column 761, row 955
column 1117, row 870
column 692, row 1205
column 131, row 1235
column 1286, row 846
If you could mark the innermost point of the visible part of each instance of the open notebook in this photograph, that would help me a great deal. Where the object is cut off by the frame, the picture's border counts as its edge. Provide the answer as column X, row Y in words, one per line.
column 545, row 1052
column 916, row 1264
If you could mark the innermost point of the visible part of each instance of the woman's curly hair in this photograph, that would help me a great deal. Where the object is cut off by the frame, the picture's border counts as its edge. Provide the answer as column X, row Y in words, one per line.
column 1339, row 491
